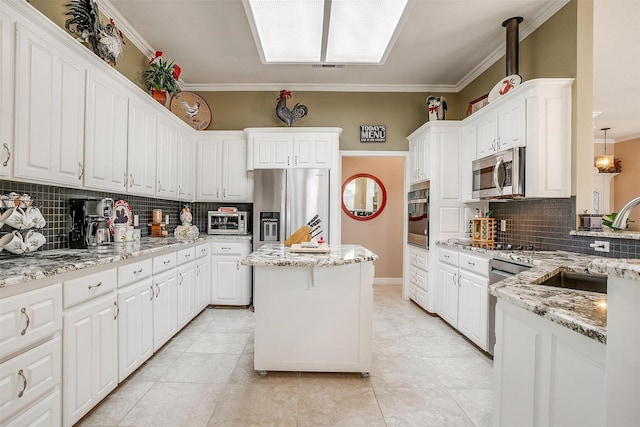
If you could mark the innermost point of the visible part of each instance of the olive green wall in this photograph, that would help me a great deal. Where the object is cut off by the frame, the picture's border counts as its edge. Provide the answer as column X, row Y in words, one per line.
column 402, row 113
column 130, row 64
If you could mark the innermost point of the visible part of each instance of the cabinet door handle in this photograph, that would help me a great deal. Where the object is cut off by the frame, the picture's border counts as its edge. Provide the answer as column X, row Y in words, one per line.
column 167, row 262
column 132, row 181
column 217, row 193
column 446, row 256
column 151, row 289
column 181, row 279
column 180, row 192
column 224, row 193
column 126, row 180
column 81, row 169
column 288, row 160
column 238, row 265
column 295, row 160
column 472, row 264
column 137, row 271
column 24, row 383
column 94, row 286
column 115, row 303
column 157, row 290
column 24, row 311
column 187, row 255
column 6, row 147
column 454, row 279
column 159, row 186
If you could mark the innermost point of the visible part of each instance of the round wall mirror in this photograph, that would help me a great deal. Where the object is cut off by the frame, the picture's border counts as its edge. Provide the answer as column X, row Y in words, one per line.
column 363, row 197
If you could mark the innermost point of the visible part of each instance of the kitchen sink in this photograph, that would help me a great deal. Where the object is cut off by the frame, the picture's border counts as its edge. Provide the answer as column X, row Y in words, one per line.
column 578, row 281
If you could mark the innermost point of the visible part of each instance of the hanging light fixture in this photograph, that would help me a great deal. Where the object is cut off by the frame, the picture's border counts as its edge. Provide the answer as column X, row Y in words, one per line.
column 606, row 161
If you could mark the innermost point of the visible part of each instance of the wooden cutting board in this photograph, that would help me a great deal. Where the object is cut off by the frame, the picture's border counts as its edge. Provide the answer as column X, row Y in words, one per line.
column 321, row 249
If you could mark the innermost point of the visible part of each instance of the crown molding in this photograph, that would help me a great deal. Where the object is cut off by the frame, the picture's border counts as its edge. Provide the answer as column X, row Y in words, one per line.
column 317, row 87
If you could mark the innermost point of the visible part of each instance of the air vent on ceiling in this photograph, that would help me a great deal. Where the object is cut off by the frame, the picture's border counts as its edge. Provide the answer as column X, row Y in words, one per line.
column 327, row 66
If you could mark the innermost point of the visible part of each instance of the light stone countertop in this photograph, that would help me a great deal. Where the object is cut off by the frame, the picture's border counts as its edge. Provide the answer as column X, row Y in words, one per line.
column 278, row 255
column 581, row 311
column 632, row 235
column 15, row 269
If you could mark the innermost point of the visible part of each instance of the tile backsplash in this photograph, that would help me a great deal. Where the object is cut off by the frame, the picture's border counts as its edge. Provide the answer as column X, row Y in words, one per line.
column 546, row 223
column 53, row 203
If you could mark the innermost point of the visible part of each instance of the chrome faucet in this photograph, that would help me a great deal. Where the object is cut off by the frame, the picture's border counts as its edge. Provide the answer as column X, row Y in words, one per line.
column 622, row 217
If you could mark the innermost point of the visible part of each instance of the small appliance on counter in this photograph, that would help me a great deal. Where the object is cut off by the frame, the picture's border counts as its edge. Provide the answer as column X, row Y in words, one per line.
column 88, row 226
column 590, row 222
column 227, row 222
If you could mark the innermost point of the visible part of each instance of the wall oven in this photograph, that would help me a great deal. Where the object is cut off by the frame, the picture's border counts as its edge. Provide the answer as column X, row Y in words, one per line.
column 418, row 219
column 499, row 176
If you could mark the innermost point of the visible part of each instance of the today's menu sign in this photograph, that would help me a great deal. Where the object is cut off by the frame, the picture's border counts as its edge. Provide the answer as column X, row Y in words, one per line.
column 373, row 133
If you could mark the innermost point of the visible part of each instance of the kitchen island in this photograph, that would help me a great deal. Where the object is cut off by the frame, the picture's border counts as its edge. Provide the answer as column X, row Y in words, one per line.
column 313, row 312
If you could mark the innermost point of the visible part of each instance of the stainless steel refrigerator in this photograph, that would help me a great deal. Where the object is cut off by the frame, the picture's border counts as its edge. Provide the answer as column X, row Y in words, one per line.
column 286, row 199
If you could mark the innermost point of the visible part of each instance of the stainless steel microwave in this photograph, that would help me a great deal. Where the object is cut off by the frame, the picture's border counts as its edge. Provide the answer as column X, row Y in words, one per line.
column 499, row 176
column 227, row 222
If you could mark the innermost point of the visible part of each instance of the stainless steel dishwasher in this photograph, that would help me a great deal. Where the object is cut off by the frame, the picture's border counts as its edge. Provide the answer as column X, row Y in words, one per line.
column 499, row 269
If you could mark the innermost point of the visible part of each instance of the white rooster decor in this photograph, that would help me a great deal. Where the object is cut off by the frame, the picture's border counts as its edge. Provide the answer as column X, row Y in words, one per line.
column 106, row 41
column 192, row 109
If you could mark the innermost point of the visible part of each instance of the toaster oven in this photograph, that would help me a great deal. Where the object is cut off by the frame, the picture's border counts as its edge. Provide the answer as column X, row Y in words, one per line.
column 227, row 222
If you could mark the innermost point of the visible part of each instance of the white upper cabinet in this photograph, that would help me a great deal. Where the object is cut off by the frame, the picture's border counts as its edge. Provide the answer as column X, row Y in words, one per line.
column 469, row 137
column 106, row 134
column 277, row 148
column 50, row 87
column 419, row 158
column 186, row 166
column 141, row 149
column 222, row 167
column 6, row 94
column 502, row 128
column 167, row 160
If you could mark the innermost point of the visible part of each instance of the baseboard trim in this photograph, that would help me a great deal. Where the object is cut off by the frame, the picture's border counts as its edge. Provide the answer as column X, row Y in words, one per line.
column 387, row 281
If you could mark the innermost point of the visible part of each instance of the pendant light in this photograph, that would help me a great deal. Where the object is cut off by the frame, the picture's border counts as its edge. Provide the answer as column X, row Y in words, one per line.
column 606, row 161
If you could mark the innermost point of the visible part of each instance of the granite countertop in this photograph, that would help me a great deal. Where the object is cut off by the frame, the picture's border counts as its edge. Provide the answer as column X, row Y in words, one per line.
column 15, row 270
column 281, row 256
column 582, row 311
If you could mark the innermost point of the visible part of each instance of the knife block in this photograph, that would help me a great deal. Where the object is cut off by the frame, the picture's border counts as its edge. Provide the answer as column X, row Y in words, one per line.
column 302, row 234
column 483, row 231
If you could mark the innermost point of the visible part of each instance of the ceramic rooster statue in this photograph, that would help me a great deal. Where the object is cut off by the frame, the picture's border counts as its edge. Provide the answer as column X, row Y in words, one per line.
column 289, row 116
column 84, row 20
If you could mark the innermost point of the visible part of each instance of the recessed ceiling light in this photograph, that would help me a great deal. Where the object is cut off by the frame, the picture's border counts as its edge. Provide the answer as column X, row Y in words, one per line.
column 319, row 31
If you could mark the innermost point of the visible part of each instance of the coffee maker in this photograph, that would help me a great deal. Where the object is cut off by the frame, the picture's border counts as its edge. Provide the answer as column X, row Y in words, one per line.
column 88, row 224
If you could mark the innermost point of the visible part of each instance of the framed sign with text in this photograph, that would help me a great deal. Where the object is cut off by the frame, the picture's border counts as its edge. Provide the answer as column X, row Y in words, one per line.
column 373, row 133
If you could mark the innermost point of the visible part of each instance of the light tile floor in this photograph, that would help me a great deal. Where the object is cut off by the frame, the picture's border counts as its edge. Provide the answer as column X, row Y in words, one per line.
column 424, row 374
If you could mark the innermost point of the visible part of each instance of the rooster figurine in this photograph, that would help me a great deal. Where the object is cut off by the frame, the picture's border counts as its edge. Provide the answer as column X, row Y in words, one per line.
column 84, row 20
column 289, row 116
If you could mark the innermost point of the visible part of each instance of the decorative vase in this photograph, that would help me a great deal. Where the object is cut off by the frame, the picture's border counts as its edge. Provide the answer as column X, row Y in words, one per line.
column 159, row 95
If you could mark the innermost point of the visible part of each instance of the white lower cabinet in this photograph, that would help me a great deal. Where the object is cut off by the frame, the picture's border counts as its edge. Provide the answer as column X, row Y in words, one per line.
column 165, row 308
column 90, row 363
column 230, row 281
column 203, row 276
column 417, row 285
column 546, row 374
column 186, row 293
column 135, row 326
column 463, row 293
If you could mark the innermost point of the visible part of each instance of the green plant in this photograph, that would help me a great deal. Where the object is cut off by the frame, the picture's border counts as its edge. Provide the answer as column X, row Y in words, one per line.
column 162, row 74
column 607, row 221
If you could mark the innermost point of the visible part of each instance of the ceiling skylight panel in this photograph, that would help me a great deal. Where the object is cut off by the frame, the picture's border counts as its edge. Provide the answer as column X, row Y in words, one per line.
column 360, row 31
column 289, row 31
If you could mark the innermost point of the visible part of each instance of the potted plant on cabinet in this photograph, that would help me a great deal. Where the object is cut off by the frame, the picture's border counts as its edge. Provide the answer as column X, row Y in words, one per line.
column 161, row 78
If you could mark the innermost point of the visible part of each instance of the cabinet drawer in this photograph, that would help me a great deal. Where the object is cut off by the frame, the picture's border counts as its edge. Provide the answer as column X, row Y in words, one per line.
column 46, row 412
column 89, row 286
column 164, row 262
column 231, row 248
column 131, row 273
column 186, row 255
column 448, row 256
column 418, row 258
column 475, row 264
column 418, row 278
column 25, row 378
column 27, row 318
column 203, row 250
